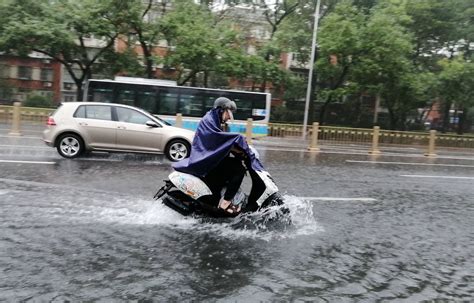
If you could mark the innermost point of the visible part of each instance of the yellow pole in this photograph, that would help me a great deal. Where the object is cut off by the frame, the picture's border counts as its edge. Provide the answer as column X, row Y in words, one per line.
column 179, row 120
column 375, row 141
column 248, row 130
column 314, row 138
column 431, row 145
column 15, row 130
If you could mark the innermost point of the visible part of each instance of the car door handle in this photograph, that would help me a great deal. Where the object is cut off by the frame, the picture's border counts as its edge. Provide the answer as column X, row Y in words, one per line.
column 121, row 127
column 82, row 123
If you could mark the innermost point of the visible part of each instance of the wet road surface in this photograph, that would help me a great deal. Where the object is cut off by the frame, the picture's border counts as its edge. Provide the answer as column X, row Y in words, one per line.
column 363, row 229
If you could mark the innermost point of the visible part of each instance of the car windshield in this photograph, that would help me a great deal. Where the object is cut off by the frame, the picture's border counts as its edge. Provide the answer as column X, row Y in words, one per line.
column 157, row 118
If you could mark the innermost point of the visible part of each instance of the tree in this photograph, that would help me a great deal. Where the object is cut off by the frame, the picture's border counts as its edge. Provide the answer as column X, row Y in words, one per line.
column 455, row 85
column 143, row 20
column 443, row 30
column 340, row 48
column 62, row 31
column 198, row 43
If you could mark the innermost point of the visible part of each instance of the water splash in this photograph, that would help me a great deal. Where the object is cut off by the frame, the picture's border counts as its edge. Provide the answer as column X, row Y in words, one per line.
column 293, row 218
column 270, row 225
column 143, row 212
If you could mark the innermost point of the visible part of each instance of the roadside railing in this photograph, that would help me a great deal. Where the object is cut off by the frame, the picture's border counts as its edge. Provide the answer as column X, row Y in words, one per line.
column 317, row 135
column 31, row 115
column 373, row 138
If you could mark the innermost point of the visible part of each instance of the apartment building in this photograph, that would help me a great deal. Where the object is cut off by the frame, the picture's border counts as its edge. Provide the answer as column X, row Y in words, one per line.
column 27, row 76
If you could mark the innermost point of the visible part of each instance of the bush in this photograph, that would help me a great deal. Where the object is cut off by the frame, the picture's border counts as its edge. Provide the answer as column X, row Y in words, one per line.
column 38, row 101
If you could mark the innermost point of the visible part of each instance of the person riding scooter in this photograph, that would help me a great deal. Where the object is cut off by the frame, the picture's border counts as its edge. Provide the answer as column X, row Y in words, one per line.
column 207, row 183
column 216, row 155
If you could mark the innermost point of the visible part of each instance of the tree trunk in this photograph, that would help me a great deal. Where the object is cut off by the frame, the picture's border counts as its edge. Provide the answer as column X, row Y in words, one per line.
column 402, row 121
column 79, row 93
column 447, row 107
column 149, row 63
column 462, row 121
column 392, row 117
column 322, row 111
column 205, row 79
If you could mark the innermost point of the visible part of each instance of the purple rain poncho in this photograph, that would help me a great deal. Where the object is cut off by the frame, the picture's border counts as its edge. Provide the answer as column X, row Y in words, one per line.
column 211, row 145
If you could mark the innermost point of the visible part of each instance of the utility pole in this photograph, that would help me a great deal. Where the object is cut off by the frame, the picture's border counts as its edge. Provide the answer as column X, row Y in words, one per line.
column 310, row 76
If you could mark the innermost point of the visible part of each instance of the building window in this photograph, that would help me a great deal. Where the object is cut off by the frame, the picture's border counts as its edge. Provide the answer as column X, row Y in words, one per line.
column 69, row 98
column 25, row 72
column 46, row 74
column 4, row 71
column 68, row 86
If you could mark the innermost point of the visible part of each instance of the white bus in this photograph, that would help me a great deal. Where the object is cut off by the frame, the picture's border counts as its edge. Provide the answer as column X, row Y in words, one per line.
column 166, row 99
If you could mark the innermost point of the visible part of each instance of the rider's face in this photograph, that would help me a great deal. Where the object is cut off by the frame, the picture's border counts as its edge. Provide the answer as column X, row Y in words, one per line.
column 227, row 115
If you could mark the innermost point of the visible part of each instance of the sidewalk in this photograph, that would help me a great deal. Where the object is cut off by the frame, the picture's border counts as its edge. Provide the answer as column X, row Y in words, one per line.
column 295, row 143
column 25, row 129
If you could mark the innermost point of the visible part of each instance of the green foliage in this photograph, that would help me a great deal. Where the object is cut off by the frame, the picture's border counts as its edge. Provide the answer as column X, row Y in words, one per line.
column 199, row 42
column 408, row 52
column 114, row 63
column 38, row 101
column 456, row 81
column 60, row 30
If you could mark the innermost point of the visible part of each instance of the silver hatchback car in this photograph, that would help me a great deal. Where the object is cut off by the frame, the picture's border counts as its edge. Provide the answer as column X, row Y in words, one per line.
column 76, row 127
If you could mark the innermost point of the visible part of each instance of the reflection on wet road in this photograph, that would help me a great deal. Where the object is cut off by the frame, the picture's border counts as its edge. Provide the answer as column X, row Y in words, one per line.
column 88, row 229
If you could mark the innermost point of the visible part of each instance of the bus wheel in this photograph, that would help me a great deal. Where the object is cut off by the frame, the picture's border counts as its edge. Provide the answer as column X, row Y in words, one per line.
column 177, row 150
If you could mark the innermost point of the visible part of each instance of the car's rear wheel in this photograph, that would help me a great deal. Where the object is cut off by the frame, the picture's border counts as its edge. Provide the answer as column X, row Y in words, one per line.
column 70, row 145
column 177, row 150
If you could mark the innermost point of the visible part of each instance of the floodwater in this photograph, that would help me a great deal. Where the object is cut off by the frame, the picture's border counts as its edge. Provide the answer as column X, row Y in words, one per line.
column 89, row 230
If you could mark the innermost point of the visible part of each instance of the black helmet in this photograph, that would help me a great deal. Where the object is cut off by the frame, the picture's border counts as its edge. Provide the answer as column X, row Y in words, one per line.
column 225, row 103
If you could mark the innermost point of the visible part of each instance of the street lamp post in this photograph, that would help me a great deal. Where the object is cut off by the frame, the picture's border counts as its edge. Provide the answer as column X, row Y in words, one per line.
column 310, row 76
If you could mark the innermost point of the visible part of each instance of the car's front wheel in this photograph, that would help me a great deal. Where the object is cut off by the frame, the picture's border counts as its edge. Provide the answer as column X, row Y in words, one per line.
column 177, row 150
column 70, row 145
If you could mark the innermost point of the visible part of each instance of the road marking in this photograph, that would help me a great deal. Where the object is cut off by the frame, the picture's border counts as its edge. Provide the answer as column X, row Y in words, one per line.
column 99, row 160
column 411, row 163
column 25, row 146
column 26, row 162
column 439, row 177
column 338, row 199
column 20, row 137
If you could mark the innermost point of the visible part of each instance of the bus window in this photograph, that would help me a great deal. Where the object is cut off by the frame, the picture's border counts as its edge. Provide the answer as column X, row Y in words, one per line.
column 168, row 103
column 190, row 105
column 244, row 109
column 147, row 101
column 125, row 96
column 101, row 95
column 259, row 105
column 209, row 99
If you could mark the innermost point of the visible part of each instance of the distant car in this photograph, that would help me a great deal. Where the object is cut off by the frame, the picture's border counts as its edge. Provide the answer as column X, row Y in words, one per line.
column 76, row 127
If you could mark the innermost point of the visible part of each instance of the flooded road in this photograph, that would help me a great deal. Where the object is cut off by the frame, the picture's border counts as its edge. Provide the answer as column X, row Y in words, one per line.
column 363, row 229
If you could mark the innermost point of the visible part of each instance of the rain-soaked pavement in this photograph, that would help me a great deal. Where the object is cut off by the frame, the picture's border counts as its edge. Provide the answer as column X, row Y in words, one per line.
column 363, row 229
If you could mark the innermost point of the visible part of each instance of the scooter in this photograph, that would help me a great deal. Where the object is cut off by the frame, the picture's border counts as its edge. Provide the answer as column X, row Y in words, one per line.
column 189, row 195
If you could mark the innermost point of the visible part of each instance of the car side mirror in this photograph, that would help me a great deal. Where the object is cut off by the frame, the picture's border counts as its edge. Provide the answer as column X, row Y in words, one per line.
column 151, row 124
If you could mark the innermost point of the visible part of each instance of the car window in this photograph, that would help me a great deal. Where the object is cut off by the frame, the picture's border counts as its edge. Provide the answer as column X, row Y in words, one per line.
column 131, row 116
column 80, row 112
column 99, row 112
